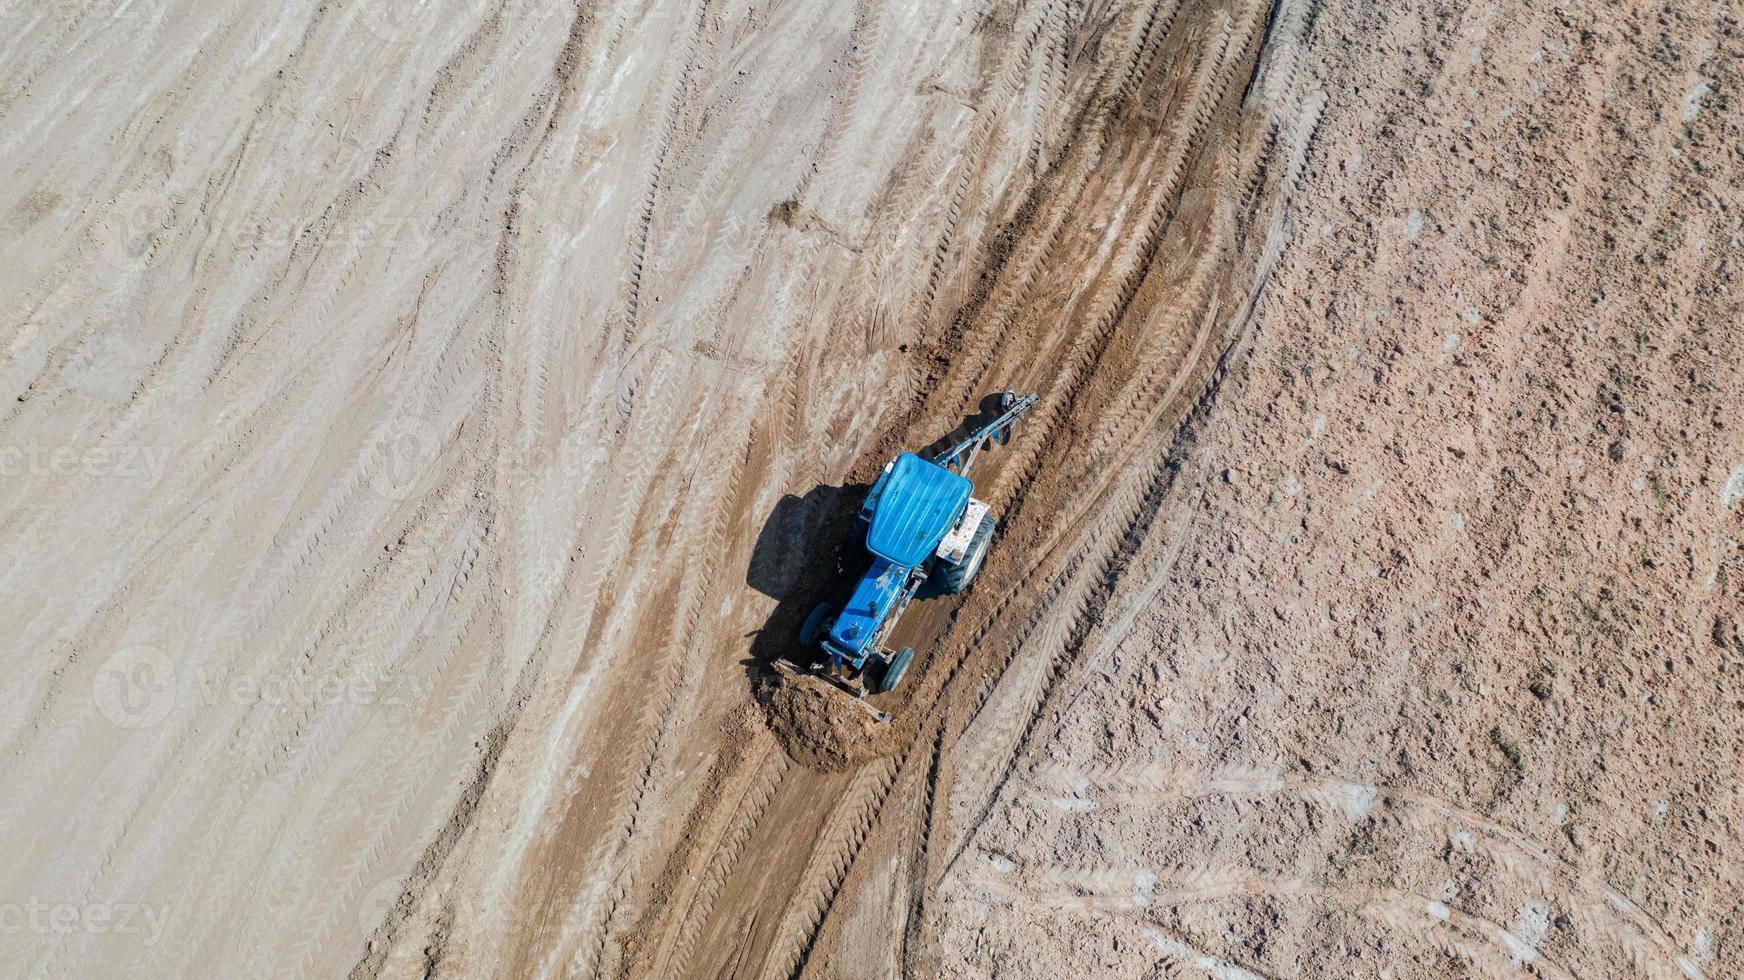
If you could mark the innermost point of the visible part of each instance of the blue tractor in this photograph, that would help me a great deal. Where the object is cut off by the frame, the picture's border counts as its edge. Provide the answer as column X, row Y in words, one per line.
column 922, row 524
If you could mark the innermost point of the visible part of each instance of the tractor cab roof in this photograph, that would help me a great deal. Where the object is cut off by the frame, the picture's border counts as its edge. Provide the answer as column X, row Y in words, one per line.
column 913, row 504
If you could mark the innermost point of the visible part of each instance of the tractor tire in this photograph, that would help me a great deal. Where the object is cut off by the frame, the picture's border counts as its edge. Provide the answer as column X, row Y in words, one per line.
column 894, row 670
column 812, row 631
column 953, row 579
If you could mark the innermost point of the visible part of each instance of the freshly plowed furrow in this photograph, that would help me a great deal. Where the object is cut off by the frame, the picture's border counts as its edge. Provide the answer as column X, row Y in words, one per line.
column 1125, row 265
column 618, row 851
column 1014, row 275
column 832, row 855
column 920, row 860
column 1021, row 54
column 675, row 958
column 704, row 574
column 891, row 815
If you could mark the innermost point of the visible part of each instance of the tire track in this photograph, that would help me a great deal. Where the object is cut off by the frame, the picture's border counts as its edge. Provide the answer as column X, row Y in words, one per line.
column 1515, row 853
column 640, row 236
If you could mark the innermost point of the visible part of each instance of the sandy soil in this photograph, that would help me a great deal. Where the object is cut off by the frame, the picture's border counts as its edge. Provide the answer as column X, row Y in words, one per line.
column 425, row 421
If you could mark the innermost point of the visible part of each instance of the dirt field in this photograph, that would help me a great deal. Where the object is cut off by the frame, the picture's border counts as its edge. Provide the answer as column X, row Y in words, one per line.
column 425, row 421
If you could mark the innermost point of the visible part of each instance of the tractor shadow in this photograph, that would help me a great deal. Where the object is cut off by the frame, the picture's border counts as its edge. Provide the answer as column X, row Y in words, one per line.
column 987, row 411
column 809, row 551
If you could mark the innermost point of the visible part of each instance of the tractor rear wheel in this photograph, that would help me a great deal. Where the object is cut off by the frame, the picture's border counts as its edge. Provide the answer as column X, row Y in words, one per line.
column 893, row 671
column 955, row 578
column 812, row 631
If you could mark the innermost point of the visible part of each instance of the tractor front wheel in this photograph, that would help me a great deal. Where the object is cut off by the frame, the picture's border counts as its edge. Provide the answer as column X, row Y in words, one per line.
column 813, row 630
column 893, row 671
